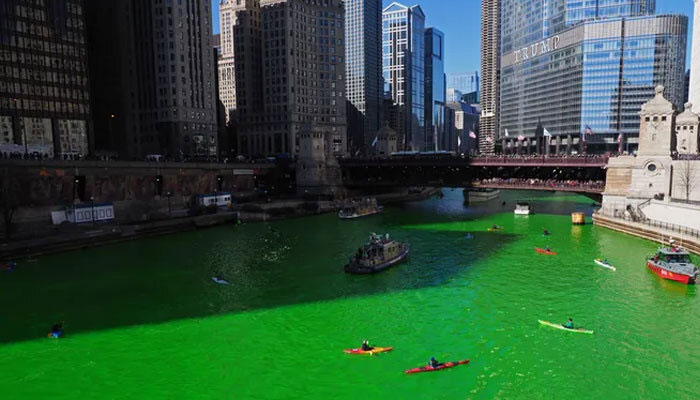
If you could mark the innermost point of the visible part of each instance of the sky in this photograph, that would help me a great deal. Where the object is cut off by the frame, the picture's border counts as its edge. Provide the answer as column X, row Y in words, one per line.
column 460, row 20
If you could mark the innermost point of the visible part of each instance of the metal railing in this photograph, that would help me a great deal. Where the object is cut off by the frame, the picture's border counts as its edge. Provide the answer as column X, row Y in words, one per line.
column 551, row 160
column 620, row 215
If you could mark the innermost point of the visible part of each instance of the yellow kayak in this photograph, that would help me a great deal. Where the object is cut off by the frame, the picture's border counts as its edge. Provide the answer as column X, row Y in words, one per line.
column 375, row 350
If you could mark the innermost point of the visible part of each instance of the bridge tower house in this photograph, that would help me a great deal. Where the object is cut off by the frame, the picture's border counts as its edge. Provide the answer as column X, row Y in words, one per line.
column 317, row 170
column 687, row 131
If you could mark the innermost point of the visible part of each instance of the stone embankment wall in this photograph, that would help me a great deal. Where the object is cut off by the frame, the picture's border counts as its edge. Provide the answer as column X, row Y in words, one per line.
column 648, row 232
column 39, row 187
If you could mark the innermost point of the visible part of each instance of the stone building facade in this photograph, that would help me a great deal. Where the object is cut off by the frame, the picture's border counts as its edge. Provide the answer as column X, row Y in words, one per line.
column 153, row 77
column 667, row 165
column 44, row 87
column 290, row 66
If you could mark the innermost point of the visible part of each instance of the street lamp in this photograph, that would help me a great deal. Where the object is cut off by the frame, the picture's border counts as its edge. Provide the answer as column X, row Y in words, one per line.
column 92, row 214
column 168, row 195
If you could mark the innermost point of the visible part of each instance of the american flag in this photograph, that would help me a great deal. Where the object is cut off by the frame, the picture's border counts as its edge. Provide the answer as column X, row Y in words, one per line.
column 587, row 132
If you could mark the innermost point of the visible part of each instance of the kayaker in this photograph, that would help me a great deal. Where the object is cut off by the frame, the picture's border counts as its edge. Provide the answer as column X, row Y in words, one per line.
column 569, row 325
column 433, row 363
column 546, row 232
column 548, row 249
column 56, row 330
column 366, row 346
column 495, row 227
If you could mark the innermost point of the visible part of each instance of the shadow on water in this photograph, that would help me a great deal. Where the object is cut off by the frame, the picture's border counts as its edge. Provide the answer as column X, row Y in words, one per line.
column 269, row 265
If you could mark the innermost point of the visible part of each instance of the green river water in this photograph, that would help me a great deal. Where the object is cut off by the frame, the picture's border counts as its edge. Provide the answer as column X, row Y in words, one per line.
column 144, row 320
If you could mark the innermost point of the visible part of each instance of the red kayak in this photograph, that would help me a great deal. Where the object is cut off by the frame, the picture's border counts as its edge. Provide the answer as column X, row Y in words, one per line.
column 439, row 367
column 544, row 251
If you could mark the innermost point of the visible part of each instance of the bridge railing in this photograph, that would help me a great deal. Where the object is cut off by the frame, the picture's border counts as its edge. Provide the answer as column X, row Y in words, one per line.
column 537, row 160
column 587, row 188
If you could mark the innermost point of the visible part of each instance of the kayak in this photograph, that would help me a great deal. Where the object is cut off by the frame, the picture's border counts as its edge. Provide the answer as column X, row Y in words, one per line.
column 560, row 326
column 220, row 281
column 544, row 251
column 495, row 229
column 428, row 368
column 55, row 335
column 375, row 350
column 604, row 264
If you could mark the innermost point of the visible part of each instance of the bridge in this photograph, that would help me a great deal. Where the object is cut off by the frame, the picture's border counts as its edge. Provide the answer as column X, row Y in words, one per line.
column 580, row 174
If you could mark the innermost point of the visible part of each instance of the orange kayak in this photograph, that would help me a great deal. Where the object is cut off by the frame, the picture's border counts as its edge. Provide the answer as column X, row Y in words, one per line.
column 375, row 350
column 547, row 252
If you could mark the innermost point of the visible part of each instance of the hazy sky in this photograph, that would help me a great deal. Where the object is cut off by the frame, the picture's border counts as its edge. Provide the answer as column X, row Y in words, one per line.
column 460, row 21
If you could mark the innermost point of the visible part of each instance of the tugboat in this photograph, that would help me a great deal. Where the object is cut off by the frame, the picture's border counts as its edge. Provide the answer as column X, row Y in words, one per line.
column 358, row 209
column 379, row 254
column 674, row 264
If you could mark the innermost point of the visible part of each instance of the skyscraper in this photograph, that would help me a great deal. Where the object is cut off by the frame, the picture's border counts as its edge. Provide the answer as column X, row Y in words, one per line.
column 585, row 81
column 290, row 69
column 228, row 19
column 435, row 91
column 44, row 89
column 577, row 11
column 694, row 86
column 404, row 69
column 153, row 76
column 465, row 82
column 363, row 66
column 490, row 74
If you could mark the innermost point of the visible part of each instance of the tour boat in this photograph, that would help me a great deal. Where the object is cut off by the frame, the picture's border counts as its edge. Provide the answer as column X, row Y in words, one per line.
column 674, row 264
column 379, row 254
column 480, row 195
column 360, row 209
column 522, row 208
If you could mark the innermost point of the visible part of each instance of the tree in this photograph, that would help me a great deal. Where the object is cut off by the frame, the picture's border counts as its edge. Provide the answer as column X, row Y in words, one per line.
column 688, row 178
column 8, row 200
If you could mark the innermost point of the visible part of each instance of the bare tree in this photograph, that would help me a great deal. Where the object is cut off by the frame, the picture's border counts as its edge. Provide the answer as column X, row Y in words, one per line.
column 688, row 177
column 8, row 200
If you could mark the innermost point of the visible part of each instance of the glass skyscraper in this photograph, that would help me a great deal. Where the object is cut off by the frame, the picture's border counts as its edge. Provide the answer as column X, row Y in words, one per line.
column 363, row 66
column 435, row 90
column 404, row 70
column 465, row 82
column 579, row 10
column 584, row 75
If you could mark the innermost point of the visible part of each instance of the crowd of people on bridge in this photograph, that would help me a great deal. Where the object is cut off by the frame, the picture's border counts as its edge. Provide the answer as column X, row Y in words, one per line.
column 543, row 183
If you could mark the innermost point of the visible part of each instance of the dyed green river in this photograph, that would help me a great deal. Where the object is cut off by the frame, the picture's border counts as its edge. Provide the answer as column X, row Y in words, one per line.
column 145, row 321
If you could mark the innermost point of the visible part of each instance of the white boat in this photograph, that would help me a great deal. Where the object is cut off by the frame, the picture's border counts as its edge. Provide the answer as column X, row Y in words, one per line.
column 522, row 208
column 604, row 264
column 480, row 195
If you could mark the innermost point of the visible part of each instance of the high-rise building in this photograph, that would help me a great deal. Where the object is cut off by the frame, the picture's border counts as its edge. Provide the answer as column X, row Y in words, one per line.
column 453, row 95
column 435, row 90
column 290, row 69
column 694, row 79
column 490, row 74
column 465, row 82
column 229, row 11
column 577, row 11
column 525, row 22
column 585, row 82
column 153, row 77
column 363, row 68
column 44, row 89
column 404, row 69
